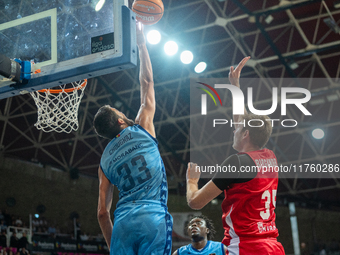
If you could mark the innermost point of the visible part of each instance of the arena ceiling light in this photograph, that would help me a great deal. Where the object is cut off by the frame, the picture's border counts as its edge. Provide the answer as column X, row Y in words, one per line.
column 154, row 37
column 200, row 67
column 171, row 48
column 318, row 133
column 187, row 57
column 337, row 4
column 99, row 5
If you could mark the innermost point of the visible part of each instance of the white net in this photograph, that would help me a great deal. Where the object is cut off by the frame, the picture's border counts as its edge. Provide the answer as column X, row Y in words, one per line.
column 58, row 108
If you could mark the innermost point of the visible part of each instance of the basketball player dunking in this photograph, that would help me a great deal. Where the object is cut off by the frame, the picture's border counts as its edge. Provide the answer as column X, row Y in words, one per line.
column 248, row 207
column 132, row 162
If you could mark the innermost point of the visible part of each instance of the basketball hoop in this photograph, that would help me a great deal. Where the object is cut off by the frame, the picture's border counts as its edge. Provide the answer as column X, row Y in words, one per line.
column 58, row 108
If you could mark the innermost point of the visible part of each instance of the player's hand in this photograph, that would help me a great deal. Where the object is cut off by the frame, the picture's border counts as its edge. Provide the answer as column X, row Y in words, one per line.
column 140, row 33
column 193, row 173
column 234, row 74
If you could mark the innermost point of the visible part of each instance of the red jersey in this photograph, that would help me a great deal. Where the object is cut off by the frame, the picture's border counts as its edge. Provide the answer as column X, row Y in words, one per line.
column 248, row 208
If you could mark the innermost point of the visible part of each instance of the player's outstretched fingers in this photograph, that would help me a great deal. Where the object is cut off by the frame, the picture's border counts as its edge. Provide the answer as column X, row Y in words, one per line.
column 242, row 63
column 193, row 173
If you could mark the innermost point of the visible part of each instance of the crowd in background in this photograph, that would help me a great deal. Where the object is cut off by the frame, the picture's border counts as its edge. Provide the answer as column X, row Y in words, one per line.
column 12, row 227
column 41, row 227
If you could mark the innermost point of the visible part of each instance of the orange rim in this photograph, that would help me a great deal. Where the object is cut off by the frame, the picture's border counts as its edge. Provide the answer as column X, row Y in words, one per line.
column 57, row 91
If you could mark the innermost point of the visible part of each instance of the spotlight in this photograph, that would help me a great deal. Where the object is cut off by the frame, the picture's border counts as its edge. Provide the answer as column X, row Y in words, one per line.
column 187, row 57
column 154, row 37
column 99, row 5
column 269, row 19
column 318, row 133
column 293, row 65
column 337, row 4
column 171, row 48
column 200, row 67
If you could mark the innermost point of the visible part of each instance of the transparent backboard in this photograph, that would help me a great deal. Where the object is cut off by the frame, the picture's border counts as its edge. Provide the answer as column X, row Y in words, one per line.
column 68, row 40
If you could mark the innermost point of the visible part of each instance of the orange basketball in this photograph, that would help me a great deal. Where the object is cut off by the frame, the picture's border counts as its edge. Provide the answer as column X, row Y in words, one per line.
column 148, row 11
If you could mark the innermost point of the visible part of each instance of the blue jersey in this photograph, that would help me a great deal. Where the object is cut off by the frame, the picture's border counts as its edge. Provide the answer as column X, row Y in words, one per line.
column 211, row 248
column 132, row 162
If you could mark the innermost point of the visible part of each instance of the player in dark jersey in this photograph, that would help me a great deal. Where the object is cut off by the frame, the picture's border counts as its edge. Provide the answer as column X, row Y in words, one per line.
column 132, row 162
column 250, row 196
column 201, row 230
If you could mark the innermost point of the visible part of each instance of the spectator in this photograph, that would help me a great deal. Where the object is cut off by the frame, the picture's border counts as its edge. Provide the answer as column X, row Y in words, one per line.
column 24, row 251
column 51, row 230
column 78, row 225
column 14, row 241
column 43, row 222
column 334, row 247
column 18, row 222
column 3, row 225
column 10, row 252
column 4, row 251
column 35, row 224
column 3, row 239
column 323, row 250
column 13, row 219
column 2, row 216
column 7, row 218
column 304, row 249
column 23, row 241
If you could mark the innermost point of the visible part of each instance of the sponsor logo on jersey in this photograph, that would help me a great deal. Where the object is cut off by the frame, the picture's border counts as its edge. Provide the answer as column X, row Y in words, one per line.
column 266, row 227
column 127, row 152
column 122, row 141
column 266, row 162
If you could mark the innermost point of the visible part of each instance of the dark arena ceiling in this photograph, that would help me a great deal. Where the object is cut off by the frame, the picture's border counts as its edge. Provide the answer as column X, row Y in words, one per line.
column 221, row 33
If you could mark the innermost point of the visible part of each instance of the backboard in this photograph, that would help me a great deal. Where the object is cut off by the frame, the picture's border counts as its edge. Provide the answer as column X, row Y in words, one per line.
column 68, row 40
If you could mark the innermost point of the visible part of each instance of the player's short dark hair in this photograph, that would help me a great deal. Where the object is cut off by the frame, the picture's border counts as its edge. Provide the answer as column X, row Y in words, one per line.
column 208, row 223
column 105, row 122
column 259, row 135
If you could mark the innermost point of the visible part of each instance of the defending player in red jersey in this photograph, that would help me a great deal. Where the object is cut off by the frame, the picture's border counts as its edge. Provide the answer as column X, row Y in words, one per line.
column 250, row 196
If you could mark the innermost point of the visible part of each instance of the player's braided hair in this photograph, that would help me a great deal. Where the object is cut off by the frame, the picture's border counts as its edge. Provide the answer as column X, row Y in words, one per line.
column 208, row 223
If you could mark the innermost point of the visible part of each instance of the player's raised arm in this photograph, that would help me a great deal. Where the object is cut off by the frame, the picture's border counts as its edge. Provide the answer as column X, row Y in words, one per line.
column 234, row 78
column 147, row 93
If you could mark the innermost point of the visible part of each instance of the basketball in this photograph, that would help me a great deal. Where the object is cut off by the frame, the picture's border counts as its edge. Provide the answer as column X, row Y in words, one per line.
column 148, row 12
